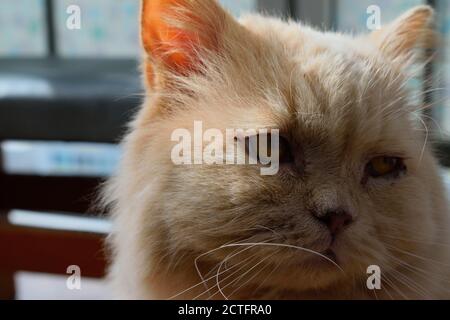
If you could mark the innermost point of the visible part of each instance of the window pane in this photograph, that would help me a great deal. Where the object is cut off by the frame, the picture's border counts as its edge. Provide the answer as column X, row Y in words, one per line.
column 22, row 28
column 237, row 7
column 442, row 70
column 108, row 29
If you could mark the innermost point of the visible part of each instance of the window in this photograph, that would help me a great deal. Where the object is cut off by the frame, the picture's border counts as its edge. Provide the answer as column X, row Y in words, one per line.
column 237, row 7
column 442, row 69
column 22, row 28
column 109, row 29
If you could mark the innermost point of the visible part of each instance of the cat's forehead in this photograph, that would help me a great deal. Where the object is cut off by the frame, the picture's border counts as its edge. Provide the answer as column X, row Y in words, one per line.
column 315, row 86
column 336, row 99
column 326, row 71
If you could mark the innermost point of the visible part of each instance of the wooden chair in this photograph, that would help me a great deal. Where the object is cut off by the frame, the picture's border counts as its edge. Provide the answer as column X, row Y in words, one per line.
column 44, row 250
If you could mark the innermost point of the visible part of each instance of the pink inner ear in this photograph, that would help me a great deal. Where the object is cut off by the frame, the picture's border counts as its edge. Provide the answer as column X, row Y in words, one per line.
column 175, row 47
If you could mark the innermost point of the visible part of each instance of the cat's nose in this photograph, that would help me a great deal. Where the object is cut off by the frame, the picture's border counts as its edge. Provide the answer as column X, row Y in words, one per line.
column 336, row 220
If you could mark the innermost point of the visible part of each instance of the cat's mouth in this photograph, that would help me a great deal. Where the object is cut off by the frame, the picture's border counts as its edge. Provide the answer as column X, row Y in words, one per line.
column 322, row 261
column 320, row 258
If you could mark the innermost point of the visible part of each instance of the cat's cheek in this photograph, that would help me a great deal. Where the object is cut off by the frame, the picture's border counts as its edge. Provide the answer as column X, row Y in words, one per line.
column 236, row 192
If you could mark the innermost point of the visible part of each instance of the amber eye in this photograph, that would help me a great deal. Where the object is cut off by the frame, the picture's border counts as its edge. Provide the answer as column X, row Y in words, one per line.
column 385, row 167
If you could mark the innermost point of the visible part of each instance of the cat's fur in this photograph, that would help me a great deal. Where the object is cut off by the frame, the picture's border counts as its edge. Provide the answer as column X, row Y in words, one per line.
column 341, row 100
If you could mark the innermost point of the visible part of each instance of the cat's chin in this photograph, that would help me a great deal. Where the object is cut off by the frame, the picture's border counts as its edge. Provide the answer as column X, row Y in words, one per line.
column 308, row 272
column 315, row 274
column 314, row 271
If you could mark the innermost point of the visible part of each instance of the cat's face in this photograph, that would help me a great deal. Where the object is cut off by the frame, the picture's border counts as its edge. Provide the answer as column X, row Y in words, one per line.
column 355, row 178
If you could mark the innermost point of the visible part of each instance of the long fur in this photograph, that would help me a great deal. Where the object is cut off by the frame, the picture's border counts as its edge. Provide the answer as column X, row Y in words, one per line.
column 341, row 100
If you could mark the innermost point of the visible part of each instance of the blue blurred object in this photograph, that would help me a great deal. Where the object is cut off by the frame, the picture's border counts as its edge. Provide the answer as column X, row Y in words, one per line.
column 60, row 158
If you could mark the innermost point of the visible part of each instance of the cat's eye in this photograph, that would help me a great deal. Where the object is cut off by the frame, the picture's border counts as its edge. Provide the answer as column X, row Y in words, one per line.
column 385, row 167
column 254, row 146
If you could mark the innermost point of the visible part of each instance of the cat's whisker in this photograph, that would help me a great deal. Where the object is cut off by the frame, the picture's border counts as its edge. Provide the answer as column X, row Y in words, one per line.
column 176, row 259
column 423, row 92
column 385, row 283
column 192, row 287
column 254, row 275
column 389, row 104
column 242, row 264
column 407, row 282
column 213, row 272
column 386, row 287
column 271, row 230
column 426, row 275
column 406, row 229
column 131, row 95
column 226, row 259
column 416, row 256
column 199, row 257
column 400, row 112
column 415, row 230
column 387, row 291
column 441, row 131
column 209, row 278
column 275, row 268
column 417, row 270
column 220, row 289
column 214, row 250
column 392, row 284
column 430, row 105
column 415, row 240
column 283, row 245
column 422, row 152
column 248, row 239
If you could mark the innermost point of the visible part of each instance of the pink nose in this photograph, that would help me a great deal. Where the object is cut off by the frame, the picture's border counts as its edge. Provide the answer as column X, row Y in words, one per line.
column 336, row 220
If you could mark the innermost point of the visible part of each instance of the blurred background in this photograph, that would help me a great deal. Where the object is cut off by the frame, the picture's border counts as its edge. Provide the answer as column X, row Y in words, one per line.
column 66, row 95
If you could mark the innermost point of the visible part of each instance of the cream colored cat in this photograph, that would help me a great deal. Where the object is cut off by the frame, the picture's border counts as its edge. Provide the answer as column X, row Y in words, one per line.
column 357, row 185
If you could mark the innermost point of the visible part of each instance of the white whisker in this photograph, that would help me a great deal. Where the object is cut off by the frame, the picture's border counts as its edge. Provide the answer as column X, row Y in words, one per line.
column 286, row 246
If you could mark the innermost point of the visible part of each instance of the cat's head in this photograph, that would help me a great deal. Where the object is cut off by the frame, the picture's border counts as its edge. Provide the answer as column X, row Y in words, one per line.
column 355, row 176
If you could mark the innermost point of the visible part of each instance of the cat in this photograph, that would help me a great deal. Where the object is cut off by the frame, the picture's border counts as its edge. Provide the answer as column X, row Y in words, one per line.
column 359, row 190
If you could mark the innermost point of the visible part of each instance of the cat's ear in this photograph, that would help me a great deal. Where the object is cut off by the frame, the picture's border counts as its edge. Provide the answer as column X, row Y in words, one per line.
column 412, row 30
column 175, row 32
